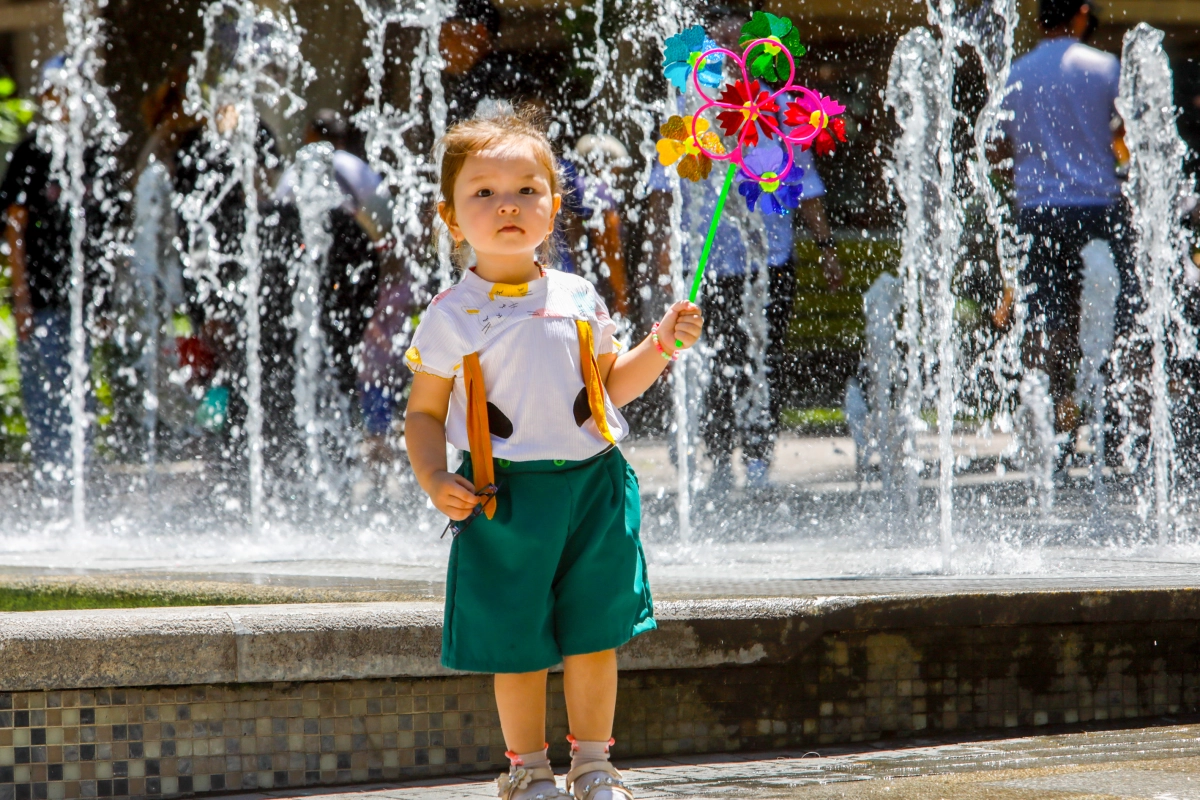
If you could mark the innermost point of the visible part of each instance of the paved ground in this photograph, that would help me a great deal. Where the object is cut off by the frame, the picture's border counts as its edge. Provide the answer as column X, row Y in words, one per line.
column 1155, row 763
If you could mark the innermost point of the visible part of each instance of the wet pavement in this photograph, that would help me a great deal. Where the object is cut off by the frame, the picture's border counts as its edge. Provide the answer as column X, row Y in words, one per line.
column 1151, row 763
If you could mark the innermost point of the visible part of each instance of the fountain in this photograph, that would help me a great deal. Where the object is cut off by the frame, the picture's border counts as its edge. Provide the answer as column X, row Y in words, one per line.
column 83, row 119
column 1097, row 329
column 264, row 66
column 952, row 499
column 946, row 421
column 1156, row 189
column 317, row 194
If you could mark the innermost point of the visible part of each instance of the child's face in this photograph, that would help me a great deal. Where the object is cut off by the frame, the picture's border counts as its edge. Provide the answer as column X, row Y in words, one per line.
column 503, row 203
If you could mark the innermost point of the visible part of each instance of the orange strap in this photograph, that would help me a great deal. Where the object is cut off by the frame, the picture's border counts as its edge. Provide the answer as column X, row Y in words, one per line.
column 479, row 435
column 591, row 378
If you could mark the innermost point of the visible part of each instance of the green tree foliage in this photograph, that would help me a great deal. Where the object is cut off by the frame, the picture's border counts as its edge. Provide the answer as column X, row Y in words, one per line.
column 15, row 112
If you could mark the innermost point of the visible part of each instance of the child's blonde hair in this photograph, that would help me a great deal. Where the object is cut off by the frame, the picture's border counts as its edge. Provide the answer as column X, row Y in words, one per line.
column 501, row 123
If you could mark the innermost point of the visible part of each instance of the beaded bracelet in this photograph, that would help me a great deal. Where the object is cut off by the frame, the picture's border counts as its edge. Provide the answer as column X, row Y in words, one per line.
column 658, row 345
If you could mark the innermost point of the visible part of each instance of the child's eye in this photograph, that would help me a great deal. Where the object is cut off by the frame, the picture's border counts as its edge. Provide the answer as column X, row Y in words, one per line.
column 528, row 190
column 484, row 193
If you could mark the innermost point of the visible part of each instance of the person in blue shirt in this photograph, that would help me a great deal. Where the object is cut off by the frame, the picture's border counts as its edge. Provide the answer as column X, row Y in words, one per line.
column 730, row 328
column 1062, row 137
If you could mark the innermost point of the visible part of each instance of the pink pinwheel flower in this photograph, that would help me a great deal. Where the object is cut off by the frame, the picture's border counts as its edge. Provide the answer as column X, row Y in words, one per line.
column 817, row 114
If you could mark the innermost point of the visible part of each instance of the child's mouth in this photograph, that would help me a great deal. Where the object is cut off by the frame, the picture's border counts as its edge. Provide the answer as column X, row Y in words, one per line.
column 512, row 229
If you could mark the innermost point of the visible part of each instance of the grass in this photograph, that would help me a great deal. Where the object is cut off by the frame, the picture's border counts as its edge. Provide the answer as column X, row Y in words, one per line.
column 66, row 598
column 813, row 418
column 824, row 322
column 12, row 421
column 79, row 592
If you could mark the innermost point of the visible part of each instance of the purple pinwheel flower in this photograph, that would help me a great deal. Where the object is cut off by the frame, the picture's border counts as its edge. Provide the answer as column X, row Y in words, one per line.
column 772, row 195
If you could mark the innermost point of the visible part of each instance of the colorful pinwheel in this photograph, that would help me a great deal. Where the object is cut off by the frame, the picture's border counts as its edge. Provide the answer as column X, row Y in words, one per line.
column 766, row 124
column 773, row 194
column 680, row 56
column 685, row 141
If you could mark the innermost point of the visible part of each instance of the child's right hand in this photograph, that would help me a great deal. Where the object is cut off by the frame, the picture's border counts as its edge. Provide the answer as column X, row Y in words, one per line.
column 453, row 495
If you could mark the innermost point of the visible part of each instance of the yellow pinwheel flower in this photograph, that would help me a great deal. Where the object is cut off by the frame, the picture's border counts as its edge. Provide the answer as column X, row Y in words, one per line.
column 679, row 145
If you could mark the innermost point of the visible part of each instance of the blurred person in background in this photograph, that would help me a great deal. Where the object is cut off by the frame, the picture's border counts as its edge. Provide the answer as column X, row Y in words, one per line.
column 213, row 264
column 602, row 156
column 166, row 121
column 38, row 240
column 730, row 274
column 781, row 293
column 473, row 70
column 382, row 376
column 354, row 317
column 351, row 287
column 152, row 404
column 1064, row 138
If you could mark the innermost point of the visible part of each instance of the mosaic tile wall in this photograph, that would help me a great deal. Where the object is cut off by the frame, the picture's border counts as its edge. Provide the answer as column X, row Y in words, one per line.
column 850, row 686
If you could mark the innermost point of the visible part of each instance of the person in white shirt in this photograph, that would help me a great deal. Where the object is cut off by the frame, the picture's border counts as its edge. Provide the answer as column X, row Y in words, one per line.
column 1062, row 138
column 518, row 365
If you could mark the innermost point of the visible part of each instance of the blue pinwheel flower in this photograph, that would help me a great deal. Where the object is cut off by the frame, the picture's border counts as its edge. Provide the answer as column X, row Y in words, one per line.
column 682, row 52
column 773, row 196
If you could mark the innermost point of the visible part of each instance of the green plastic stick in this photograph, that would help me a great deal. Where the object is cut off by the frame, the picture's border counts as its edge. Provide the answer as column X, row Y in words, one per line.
column 712, row 233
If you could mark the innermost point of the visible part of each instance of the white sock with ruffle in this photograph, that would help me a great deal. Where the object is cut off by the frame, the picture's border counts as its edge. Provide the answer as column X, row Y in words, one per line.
column 521, row 763
column 606, row 780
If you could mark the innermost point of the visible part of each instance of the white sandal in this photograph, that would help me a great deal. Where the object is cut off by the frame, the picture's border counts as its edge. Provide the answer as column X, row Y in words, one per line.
column 610, row 780
column 509, row 783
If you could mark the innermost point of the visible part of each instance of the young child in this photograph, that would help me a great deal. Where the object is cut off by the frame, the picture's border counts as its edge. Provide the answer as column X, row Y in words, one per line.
column 517, row 365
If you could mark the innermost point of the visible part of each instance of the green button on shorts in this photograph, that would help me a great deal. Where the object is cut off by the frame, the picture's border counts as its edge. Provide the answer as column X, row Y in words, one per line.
column 558, row 571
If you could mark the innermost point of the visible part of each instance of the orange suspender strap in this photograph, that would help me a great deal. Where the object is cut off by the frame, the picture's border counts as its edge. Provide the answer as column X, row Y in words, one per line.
column 479, row 436
column 591, row 378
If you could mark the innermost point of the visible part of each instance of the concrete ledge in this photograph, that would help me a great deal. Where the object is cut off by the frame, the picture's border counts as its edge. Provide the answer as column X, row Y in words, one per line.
column 321, row 642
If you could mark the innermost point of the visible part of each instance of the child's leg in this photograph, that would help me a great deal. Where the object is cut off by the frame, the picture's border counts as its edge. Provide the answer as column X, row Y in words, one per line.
column 521, row 702
column 590, row 685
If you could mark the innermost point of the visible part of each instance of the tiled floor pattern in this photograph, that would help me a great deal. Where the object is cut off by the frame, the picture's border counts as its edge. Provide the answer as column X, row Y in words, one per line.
column 1155, row 763
column 198, row 739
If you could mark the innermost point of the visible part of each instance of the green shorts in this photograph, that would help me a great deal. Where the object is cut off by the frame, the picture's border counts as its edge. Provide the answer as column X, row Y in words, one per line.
column 558, row 571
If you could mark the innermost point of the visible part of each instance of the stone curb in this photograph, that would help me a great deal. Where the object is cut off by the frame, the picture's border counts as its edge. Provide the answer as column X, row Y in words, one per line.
column 53, row 650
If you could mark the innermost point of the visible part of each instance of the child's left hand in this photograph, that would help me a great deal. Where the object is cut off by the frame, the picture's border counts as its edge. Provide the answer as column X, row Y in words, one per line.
column 684, row 323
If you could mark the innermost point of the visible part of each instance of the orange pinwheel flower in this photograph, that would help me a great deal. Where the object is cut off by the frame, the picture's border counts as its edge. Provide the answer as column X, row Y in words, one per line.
column 680, row 145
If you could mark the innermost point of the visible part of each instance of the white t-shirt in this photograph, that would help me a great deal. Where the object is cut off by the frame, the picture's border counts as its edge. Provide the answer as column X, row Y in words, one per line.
column 528, row 348
column 1061, row 128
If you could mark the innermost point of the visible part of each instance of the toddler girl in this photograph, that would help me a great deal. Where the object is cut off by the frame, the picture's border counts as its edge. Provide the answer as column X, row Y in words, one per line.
column 517, row 364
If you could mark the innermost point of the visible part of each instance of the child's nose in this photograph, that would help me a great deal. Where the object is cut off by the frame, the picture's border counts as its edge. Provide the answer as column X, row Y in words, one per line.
column 509, row 208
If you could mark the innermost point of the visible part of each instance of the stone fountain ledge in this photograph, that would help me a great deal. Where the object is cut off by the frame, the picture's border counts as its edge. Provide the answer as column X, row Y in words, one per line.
column 59, row 650
column 187, row 701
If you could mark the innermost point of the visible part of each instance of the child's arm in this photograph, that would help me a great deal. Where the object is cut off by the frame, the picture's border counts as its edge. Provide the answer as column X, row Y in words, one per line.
column 629, row 375
column 425, row 437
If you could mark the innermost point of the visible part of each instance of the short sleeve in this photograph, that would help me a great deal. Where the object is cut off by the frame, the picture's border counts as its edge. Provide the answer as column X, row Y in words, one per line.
column 606, row 341
column 436, row 347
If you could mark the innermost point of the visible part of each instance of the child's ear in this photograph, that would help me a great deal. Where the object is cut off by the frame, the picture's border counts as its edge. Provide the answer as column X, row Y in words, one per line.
column 557, row 208
column 447, row 215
